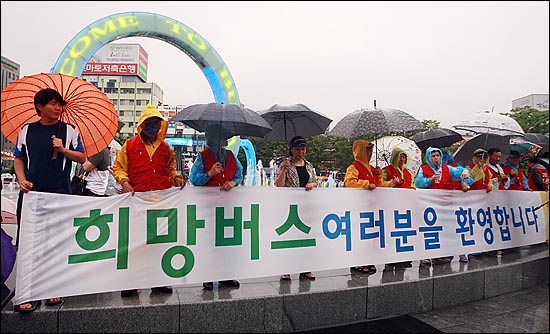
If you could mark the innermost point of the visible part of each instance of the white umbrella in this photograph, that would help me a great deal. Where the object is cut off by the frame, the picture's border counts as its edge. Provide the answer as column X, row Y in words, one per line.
column 381, row 156
column 491, row 123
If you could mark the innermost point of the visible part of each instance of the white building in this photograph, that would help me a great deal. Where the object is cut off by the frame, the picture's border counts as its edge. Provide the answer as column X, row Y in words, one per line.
column 536, row 101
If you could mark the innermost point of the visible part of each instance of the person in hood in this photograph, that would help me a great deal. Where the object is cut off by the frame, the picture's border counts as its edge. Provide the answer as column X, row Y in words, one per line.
column 397, row 172
column 434, row 174
column 146, row 162
column 361, row 174
column 397, row 175
column 217, row 166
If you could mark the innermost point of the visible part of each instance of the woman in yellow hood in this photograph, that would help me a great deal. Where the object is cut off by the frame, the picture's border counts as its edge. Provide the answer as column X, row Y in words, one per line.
column 397, row 173
column 361, row 174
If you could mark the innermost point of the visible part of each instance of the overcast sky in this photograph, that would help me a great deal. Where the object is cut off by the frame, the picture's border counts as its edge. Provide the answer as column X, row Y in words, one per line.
column 435, row 60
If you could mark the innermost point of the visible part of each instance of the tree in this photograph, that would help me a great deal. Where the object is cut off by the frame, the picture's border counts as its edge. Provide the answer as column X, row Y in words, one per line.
column 530, row 119
column 431, row 124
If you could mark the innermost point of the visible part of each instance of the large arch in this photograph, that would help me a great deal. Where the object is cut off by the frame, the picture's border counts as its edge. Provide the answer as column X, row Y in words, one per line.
column 89, row 40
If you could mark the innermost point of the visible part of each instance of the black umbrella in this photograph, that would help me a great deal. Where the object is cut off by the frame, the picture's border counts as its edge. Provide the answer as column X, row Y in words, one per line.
column 436, row 137
column 465, row 151
column 375, row 121
column 234, row 119
column 293, row 120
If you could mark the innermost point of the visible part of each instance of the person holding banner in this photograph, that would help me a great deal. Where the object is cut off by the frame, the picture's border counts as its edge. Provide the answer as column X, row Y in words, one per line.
column 146, row 162
column 482, row 176
column 480, row 172
column 518, row 181
column 295, row 171
column 397, row 172
column 434, row 174
column 500, row 179
column 361, row 174
column 397, row 175
column 537, row 175
column 44, row 154
column 216, row 166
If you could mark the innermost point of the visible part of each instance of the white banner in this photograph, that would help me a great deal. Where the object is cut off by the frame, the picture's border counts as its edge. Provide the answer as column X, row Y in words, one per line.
column 72, row 245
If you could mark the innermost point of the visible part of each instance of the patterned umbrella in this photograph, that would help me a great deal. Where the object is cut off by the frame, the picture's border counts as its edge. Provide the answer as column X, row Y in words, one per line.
column 375, row 121
column 381, row 157
column 539, row 139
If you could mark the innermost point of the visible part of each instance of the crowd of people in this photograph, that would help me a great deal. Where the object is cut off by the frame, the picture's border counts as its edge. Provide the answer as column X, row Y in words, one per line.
column 46, row 149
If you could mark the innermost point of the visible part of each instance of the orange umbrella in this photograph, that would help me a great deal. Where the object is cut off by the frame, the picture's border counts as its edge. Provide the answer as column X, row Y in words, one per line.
column 87, row 107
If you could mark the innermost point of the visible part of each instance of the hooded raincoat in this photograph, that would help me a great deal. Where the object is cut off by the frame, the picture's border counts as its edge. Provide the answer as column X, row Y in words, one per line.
column 448, row 173
column 400, row 177
column 361, row 173
column 147, row 166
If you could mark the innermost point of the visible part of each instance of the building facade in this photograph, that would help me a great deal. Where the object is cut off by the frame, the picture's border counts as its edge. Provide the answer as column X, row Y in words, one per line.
column 536, row 101
column 129, row 95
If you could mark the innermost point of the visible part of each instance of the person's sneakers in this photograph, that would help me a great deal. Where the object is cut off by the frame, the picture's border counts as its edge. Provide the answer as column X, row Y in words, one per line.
column 208, row 285
column 128, row 293
column 163, row 289
column 231, row 283
column 463, row 258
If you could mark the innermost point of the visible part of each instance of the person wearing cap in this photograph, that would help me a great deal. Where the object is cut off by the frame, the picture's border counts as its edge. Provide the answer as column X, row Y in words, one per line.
column 518, row 180
column 216, row 166
column 500, row 179
column 482, row 176
column 146, row 162
column 361, row 174
column 295, row 171
column 480, row 171
column 537, row 175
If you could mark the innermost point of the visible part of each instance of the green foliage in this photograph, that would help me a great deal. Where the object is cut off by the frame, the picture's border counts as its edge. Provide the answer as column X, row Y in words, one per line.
column 323, row 151
column 530, row 119
column 431, row 124
column 121, row 138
